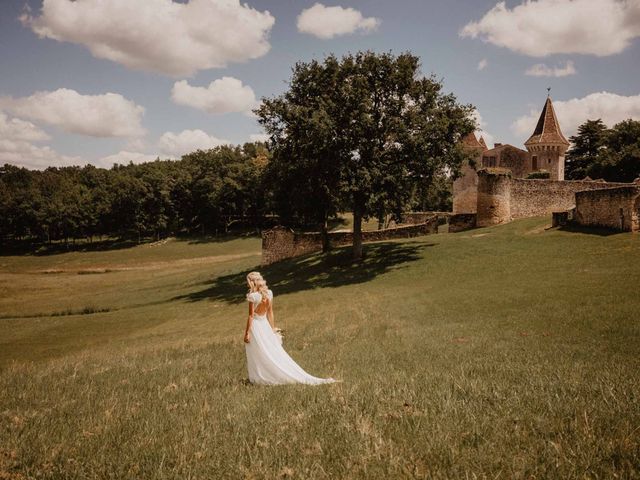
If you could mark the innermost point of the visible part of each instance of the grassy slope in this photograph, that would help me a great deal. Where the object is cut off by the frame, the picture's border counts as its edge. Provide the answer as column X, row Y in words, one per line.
column 507, row 352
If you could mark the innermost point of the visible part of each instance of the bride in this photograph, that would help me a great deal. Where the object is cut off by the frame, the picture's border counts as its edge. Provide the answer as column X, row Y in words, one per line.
column 267, row 362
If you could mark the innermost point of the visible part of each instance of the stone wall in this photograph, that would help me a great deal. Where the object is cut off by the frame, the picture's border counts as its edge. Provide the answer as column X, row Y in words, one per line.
column 531, row 198
column 494, row 196
column 281, row 242
column 417, row 218
column 615, row 208
column 462, row 221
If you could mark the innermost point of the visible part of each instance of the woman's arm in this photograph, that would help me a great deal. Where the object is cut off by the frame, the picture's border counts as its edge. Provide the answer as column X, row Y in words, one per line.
column 272, row 321
column 249, row 320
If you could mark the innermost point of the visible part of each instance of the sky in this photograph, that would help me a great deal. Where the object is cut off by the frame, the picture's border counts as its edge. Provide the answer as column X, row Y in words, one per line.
column 95, row 81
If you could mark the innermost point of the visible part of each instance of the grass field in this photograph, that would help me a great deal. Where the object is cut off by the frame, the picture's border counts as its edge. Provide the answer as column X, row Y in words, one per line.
column 504, row 352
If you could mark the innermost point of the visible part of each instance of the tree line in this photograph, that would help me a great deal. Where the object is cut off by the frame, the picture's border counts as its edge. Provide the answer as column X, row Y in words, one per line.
column 202, row 193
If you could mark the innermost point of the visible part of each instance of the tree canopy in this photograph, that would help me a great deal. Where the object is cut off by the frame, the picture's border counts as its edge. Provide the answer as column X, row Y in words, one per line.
column 203, row 193
column 363, row 133
column 609, row 153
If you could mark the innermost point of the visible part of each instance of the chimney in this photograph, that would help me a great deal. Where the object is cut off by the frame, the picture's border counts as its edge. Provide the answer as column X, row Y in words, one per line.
column 496, row 145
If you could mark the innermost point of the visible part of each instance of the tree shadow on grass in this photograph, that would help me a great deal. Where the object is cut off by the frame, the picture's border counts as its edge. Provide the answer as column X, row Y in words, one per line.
column 220, row 238
column 333, row 269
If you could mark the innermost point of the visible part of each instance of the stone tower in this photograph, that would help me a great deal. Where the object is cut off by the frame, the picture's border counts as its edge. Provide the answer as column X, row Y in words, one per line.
column 494, row 196
column 547, row 145
column 465, row 187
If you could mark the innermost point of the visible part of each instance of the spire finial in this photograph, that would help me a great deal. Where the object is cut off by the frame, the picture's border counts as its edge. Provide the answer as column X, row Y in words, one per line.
column 548, row 92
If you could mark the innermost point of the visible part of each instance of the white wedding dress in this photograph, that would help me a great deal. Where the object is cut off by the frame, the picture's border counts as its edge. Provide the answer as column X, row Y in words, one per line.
column 267, row 362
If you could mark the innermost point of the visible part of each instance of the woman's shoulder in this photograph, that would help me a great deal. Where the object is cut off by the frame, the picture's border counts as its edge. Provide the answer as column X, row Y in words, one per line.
column 251, row 296
column 270, row 293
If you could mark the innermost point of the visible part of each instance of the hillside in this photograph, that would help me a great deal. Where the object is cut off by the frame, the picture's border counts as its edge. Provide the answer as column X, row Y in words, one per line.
column 510, row 352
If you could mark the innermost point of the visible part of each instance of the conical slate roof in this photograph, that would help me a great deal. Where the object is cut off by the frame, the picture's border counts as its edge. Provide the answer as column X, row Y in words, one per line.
column 548, row 129
column 470, row 140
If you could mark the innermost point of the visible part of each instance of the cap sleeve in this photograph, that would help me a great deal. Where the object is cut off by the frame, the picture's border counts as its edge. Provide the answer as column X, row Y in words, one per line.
column 270, row 294
column 251, row 297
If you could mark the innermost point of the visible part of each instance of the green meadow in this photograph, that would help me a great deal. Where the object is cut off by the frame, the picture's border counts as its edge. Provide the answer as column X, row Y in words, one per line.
column 504, row 352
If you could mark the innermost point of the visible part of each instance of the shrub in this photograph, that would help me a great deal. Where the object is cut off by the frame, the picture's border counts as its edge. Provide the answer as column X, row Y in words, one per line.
column 539, row 174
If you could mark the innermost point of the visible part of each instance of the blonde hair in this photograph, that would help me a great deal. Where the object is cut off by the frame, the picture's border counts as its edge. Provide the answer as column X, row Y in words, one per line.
column 258, row 284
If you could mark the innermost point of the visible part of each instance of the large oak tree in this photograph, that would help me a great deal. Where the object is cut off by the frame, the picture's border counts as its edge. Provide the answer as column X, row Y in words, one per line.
column 361, row 132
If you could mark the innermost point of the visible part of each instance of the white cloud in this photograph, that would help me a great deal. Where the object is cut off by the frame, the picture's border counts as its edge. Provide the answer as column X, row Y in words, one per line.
column 20, row 130
column 123, row 157
column 16, row 147
column 25, row 154
column 258, row 137
column 187, row 141
column 544, row 27
column 224, row 95
column 106, row 115
column 328, row 22
column 164, row 36
column 542, row 70
column 610, row 107
column 482, row 64
column 135, row 145
column 481, row 130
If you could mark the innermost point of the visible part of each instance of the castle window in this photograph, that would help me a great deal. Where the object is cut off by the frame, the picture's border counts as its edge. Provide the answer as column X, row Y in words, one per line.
column 488, row 161
column 534, row 163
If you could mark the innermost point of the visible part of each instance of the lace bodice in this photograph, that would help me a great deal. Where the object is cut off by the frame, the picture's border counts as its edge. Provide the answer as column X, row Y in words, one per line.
column 256, row 297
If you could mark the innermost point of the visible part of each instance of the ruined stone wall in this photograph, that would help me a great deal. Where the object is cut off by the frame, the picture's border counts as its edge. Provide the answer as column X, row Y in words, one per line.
column 531, row 198
column 417, row 218
column 281, row 242
column 465, row 191
column 615, row 208
column 462, row 221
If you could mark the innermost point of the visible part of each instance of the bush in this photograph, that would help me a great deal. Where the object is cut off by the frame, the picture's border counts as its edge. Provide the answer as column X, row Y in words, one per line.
column 539, row 174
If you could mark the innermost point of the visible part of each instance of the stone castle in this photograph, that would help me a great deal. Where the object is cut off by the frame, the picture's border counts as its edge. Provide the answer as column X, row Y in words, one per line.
column 493, row 187
column 545, row 152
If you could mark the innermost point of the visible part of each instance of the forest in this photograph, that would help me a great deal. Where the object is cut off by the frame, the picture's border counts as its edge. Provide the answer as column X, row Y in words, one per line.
column 204, row 193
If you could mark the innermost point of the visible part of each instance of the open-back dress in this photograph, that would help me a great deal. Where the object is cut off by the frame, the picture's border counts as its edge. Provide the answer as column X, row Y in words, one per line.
column 267, row 361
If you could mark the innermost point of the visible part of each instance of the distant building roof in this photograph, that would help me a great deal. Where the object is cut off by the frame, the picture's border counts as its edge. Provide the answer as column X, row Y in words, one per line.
column 470, row 140
column 548, row 129
column 499, row 147
column 483, row 143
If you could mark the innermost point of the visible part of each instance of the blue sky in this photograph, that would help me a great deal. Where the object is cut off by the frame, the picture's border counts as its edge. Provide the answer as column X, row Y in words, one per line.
column 74, row 54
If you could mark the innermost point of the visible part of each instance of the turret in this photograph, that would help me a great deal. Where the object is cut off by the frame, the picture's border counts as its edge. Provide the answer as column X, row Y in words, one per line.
column 465, row 187
column 547, row 145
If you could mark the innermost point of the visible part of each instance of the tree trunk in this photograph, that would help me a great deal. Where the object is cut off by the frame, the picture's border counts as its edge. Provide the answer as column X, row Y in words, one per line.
column 357, row 234
column 324, row 234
